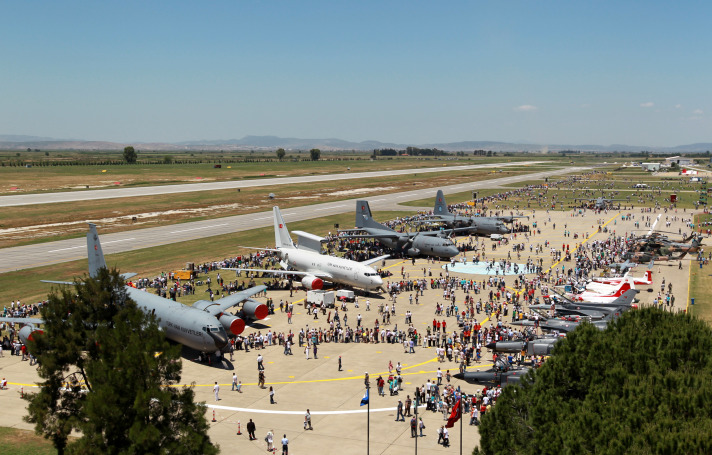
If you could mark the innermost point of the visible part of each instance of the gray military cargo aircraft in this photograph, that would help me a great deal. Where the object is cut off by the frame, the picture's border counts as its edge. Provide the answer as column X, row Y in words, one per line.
column 428, row 243
column 201, row 327
column 478, row 225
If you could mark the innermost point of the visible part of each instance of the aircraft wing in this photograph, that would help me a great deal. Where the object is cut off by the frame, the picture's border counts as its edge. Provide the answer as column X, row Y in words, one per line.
column 125, row 276
column 231, row 300
column 394, row 235
column 322, row 275
column 374, row 260
column 23, row 320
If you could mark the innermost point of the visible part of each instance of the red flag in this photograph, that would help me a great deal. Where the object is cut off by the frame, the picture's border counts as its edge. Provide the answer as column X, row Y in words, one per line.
column 454, row 416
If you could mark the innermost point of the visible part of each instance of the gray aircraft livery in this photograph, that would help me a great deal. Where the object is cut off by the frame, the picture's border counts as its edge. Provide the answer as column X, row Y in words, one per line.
column 201, row 326
column 430, row 243
column 479, row 225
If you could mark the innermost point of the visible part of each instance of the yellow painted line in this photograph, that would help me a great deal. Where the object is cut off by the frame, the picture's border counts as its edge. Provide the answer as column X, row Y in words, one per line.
column 360, row 377
column 393, row 265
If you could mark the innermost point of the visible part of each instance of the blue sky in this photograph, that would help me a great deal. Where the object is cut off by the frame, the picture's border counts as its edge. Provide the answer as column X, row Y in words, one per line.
column 413, row 72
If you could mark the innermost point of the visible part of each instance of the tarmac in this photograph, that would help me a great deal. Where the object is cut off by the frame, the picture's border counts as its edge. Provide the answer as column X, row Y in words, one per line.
column 339, row 422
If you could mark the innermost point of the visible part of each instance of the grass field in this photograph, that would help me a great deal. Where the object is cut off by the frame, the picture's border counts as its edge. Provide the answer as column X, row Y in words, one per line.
column 701, row 282
column 24, row 442
column 77, row 178
column 65, row 220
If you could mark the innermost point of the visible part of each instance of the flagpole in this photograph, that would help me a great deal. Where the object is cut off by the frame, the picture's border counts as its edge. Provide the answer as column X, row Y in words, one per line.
column 417, row 423
column 368, row 420
column 461, row 419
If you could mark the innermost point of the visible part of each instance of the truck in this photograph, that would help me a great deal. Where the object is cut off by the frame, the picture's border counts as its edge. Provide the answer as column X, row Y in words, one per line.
column 318, row 297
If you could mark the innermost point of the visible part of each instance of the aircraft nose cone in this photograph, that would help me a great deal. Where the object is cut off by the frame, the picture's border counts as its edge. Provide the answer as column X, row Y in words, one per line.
column 452, row 251
column 459, row 376
column 220, row 339
column 492, row 345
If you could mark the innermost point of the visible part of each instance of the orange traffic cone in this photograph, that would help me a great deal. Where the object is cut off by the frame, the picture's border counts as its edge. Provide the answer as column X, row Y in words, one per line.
column 238, row 428
column 214, row 416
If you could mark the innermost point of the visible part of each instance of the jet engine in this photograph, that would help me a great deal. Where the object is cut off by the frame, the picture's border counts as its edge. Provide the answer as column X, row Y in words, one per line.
column 312, row 283
column 253, row 309
column 28, row 332
column 233, row 324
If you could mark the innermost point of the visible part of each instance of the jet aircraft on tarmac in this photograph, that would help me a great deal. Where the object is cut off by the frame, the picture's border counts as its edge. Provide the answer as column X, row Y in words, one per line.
column 429, row 243
column 201, row 327
column 306, row 260
column 478, row 225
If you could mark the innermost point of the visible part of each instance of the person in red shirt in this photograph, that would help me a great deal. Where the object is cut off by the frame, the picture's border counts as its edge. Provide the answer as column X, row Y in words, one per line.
column 444, row 325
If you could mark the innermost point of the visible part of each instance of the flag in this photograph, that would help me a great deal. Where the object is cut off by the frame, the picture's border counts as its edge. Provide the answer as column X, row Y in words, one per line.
column 364, row 400
column 454, row 415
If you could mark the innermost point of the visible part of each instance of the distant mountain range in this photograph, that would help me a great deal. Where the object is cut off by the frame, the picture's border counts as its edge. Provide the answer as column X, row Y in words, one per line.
column 18, row 142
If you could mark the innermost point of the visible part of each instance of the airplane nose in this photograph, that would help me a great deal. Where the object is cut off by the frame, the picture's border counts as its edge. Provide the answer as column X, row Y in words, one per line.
column 459, row 376
column 453, row 251
column 220, row 338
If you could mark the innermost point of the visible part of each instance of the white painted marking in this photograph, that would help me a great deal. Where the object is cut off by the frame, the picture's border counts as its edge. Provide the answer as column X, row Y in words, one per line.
column 82, row 246
column 270, row 411
column 195, row 229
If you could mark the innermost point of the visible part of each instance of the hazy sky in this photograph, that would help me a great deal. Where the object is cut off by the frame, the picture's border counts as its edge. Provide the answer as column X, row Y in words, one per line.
column 416, row 72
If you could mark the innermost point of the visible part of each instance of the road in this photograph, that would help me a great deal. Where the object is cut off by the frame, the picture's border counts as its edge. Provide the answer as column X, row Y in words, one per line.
column 112, row 193
column 43, row 254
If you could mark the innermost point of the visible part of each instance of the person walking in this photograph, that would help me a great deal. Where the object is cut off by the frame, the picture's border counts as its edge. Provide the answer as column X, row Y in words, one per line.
column 216, row 389
column 399, row 414
column 269, row 439
column 271, row 395
column 421, row 426
column 251, row 430
column 307, row 421
column 234, row 382
column 339, row 363
column 413, row 427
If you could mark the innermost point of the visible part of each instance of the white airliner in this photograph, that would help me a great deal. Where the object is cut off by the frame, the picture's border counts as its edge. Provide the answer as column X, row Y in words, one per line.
column 307, row 261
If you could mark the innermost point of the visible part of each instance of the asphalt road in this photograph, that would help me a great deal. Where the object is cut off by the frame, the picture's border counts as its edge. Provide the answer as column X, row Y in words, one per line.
column 110, row 193
column 43, row 254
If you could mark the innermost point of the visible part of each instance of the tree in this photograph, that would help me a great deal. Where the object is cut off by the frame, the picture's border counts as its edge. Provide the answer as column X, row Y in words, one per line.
column 168, row 159
column 641, row 386
column 315, row 154
column 280, row 154
column 130, row 154
column 116, row 367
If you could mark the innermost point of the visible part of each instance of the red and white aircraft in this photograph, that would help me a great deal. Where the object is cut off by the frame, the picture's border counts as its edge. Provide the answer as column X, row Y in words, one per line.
column 596, row 297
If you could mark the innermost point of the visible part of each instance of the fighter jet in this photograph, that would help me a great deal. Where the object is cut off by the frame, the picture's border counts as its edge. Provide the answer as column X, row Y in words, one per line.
column 201, row 326
column 429, row 243
column 502, row 373
column 478, row 225
column 307, row 261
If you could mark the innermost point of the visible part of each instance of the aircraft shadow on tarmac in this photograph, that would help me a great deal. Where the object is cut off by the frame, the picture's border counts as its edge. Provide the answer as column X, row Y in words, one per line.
column 193, row 356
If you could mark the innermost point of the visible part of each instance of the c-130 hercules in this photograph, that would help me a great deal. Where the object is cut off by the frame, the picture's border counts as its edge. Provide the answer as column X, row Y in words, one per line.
column 201, row 327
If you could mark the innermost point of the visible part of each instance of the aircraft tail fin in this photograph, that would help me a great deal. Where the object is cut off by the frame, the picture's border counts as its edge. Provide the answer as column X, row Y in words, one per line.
column 94, row 252
column 282, row 239
column 440, row 205
column 649, row 276
column 624, row 287
column 364, row 219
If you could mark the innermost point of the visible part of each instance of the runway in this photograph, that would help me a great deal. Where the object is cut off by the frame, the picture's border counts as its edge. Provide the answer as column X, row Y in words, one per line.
column 43, row 254
column 111, row 193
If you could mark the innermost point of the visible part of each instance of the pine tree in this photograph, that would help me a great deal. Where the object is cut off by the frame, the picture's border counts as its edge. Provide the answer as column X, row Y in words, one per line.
column 106, row 370
column 641, row 386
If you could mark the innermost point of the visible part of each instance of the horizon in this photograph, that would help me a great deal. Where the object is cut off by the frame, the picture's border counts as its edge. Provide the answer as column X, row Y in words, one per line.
column 416, row 73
